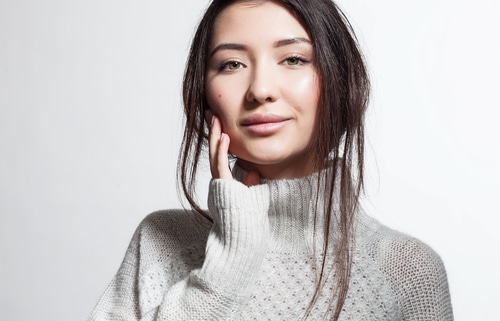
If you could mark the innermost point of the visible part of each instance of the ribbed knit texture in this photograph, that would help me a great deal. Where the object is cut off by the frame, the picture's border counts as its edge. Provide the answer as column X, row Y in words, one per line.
column 256, row 262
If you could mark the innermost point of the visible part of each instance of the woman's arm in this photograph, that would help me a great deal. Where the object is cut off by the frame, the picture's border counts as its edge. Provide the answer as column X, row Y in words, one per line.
column 149, row 285
column 235, row 248
column 236, row 245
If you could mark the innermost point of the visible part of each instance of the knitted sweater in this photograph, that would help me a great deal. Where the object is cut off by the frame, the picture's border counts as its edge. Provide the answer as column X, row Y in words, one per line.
column 257, row 262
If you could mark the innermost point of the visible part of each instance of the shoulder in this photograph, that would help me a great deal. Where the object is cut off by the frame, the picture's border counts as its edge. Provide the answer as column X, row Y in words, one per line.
column 414, row 270
column 174, row 219
column 165, row 247
column 175, row 225
column 169, row 243
column 398, row 253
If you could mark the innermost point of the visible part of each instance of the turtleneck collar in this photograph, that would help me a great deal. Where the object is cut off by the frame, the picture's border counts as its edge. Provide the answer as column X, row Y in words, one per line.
column 296, row 211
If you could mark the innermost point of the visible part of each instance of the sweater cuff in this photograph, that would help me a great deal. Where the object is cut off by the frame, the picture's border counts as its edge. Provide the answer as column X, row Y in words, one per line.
column 239, row 237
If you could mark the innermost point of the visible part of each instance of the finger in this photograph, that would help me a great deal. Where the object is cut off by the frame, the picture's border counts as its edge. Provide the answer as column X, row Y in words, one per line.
column 253, row 178
column 222, row 159
column 213, row 143
column 218, row 150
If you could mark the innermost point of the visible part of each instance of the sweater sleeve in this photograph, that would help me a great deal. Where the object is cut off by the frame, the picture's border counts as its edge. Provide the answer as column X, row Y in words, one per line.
column 419, row 279
column 120, row 299
column 235, row 247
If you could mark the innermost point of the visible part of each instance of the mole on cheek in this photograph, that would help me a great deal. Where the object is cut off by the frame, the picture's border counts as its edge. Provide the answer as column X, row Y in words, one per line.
column 219, row 95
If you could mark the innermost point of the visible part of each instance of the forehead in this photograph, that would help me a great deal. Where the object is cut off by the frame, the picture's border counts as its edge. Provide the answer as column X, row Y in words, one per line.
column 256, row 21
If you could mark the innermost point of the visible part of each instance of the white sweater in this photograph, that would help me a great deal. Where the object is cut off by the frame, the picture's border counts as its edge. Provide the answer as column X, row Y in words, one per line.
column 256, row 262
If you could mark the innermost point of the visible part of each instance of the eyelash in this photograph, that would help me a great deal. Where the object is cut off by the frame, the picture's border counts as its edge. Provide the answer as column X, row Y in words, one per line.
column 224, row 66
column 300, row 59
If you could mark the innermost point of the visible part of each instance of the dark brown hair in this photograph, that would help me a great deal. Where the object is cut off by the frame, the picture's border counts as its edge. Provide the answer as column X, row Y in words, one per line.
column 339, row 135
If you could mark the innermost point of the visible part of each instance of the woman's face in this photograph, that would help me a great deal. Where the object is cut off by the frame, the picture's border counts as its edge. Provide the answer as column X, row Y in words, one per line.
column 263, row 86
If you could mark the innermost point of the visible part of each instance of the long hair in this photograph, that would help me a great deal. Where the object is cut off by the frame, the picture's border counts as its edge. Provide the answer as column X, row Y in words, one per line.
column 338, row 137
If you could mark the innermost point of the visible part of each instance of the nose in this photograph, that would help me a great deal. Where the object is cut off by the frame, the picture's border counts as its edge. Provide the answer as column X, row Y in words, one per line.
column 263, row 85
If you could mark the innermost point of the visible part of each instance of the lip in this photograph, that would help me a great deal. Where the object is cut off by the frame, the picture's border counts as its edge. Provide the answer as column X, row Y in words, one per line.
column 264, row 124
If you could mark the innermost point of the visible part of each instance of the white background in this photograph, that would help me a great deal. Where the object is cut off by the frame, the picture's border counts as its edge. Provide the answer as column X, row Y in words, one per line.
column 90, row 124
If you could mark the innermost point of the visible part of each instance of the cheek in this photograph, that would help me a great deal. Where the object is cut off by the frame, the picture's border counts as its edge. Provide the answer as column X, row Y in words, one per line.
column 223, row 99
column 305, row 92
column 218, row 103
column 303, row 83
column 216, row 95
column 213, row 96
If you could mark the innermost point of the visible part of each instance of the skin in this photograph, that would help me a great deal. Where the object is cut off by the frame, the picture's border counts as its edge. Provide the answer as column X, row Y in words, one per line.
column 262, row 89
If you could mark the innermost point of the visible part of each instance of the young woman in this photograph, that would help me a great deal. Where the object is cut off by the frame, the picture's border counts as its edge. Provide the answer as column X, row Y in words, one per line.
column 280, row 87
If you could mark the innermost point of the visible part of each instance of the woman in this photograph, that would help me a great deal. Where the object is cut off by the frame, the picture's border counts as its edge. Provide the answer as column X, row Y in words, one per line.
column 281, row 87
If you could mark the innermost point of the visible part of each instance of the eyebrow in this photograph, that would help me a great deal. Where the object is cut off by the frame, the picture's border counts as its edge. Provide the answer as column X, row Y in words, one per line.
column 227, row 46
column 291, row 41
column 277, row 44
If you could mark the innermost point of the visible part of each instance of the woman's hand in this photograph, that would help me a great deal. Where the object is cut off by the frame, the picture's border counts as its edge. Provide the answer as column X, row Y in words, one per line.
column 218, row 147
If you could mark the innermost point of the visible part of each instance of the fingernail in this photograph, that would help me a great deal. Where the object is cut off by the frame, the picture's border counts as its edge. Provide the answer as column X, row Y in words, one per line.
column 212, row 121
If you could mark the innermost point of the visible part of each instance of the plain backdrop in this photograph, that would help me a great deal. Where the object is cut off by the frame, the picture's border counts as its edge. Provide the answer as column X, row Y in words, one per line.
column 90, row 124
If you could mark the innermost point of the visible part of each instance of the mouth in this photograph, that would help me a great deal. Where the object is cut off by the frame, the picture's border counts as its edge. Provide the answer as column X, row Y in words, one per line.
column 264, row 124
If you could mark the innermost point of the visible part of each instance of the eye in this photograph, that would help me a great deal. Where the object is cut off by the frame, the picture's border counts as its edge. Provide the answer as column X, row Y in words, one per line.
column 293, row 61
column 231, row 66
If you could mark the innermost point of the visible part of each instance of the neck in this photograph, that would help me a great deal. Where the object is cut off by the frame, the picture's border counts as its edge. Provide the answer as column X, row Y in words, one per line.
column 290, row 170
